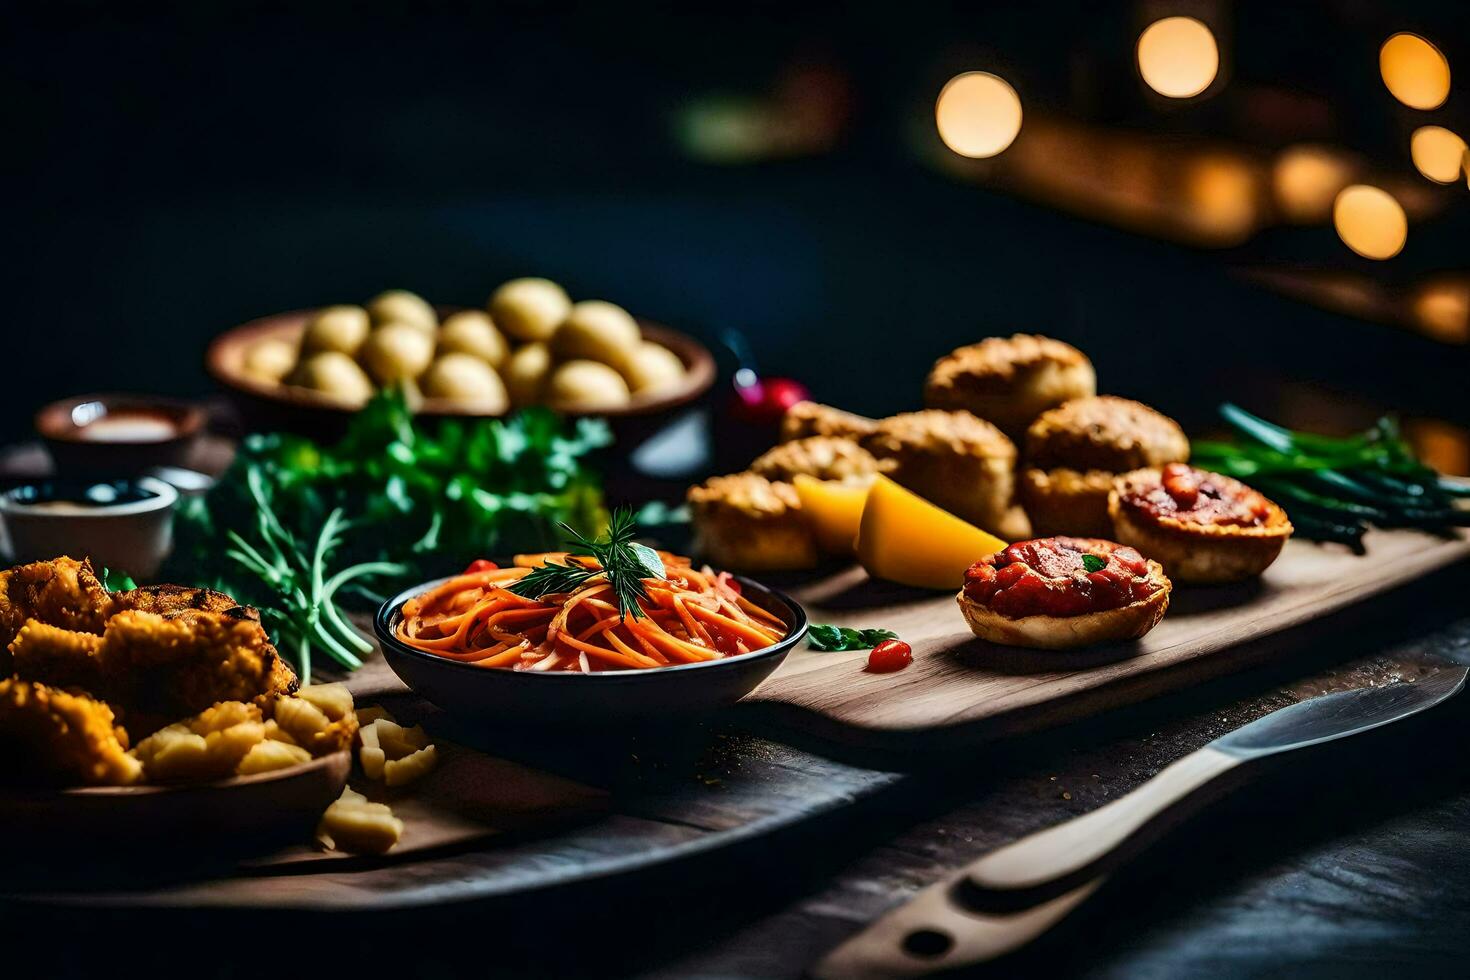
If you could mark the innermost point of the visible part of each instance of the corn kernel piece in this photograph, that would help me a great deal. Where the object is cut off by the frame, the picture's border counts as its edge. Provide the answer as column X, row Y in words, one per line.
column 373, row 760
column 275, row 733
column 223, row 715
column 271, row 755
column 366, row 716
column 398, row 741
column 401, row 772
column 334, row 700
column 178, row 757
column 361, row 828
column 228, row 746
column 301, row 719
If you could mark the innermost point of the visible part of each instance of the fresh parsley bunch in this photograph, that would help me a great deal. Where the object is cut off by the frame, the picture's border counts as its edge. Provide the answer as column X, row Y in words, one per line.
column 396, row 501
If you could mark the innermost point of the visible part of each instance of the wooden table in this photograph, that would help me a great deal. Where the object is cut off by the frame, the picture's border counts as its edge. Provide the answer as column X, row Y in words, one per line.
column 1355, row 869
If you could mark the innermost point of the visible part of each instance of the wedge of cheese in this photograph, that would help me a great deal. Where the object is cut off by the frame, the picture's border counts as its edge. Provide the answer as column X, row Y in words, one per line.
column 904, row 538
column 834, row 511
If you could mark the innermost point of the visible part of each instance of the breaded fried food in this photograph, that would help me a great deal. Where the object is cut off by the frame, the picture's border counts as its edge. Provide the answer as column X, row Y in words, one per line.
column 812, row 419
column 58, row 657
column 169, row 599
column 182, row 663
column 54, row 737
column 1009, row 381
column 745, row 521
column 63, row 592
column 957, row 461
column 1074, row 451
column 823, row 457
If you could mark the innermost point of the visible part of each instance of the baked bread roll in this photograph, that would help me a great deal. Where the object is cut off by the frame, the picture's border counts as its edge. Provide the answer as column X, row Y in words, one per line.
column 957, row 461
column 749, row 523
column 1073, row 452
column 1009, row 381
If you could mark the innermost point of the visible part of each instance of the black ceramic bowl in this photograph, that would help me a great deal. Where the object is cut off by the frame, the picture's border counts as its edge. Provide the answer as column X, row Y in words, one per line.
column 495, row 696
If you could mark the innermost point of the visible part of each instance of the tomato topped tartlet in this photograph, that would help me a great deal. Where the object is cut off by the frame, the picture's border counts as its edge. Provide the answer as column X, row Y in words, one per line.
column 1204, row 527
column 1056, row 593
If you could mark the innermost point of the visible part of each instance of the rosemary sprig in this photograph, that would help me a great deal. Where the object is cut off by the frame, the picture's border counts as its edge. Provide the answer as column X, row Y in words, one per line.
column 622, row 561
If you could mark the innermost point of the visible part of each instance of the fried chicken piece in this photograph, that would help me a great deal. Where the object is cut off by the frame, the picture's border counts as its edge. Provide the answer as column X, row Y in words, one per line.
column 167, row 600
column 55, row 737
column 59, row 657
column 180, row 664
column 63, row 592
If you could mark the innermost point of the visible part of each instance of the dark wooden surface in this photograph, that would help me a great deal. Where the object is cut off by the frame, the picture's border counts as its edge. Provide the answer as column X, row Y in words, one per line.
column 1353, row 868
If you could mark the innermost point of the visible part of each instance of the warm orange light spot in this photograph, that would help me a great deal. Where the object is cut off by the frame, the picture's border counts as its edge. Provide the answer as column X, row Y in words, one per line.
column 1306, row 180
column 1370, row 221
column 1415, row 71
column 978, row 114
column 1177, row 57
column 1223, row 195
column 1438, row 153
column 1442, row 308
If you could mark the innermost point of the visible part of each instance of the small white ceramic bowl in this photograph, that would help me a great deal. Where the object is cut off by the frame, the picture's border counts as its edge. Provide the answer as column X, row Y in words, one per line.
column 124, row 525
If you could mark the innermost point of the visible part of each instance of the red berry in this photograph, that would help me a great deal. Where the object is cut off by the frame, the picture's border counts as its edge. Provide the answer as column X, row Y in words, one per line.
column 890, row 655
column 481, row 565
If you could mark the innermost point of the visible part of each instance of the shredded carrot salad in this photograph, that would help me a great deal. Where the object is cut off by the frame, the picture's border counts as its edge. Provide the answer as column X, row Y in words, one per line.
column 692, row 616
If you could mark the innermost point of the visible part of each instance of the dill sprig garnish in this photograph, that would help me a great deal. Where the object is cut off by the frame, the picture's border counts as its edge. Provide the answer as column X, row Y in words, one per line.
column 624, row 562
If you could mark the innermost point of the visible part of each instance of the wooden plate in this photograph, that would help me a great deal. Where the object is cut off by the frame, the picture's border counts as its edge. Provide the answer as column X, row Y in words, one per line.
column 278, row 406
column 268, row 805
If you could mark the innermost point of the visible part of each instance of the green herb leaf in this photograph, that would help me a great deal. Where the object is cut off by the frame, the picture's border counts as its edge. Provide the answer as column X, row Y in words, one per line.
column 117, row 581
column 838, row 638
column 624, row 562
column 1094, row 563
column 650, row 564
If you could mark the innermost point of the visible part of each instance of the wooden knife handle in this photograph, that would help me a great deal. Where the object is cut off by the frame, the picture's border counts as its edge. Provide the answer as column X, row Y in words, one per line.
column 1013, row 895
column 930, row 933
column 1082, row 848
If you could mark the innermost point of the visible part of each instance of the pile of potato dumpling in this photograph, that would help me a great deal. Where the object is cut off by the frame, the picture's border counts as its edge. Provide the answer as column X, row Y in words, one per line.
column 531, row 346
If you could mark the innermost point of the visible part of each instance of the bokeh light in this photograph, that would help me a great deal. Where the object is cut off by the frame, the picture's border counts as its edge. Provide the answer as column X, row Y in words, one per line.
column 1438, row 153
column 1177, row 57
column 1370, row 222
column 1306, row 179
column 978, row 114
column 1442, row 309
column 1415, row 71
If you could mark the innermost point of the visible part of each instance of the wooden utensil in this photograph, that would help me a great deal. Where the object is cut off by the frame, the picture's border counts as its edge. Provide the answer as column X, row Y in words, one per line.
column 1013, row 895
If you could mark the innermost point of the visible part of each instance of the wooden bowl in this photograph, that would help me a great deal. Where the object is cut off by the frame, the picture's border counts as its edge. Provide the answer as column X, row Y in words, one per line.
column 268, row 806
column 495, row 696
column 267, row 406
column 66, row 426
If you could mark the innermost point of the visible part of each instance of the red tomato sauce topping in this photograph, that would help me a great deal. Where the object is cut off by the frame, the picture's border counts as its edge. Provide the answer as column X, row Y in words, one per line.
column 1050, row 576
column 1198, row 497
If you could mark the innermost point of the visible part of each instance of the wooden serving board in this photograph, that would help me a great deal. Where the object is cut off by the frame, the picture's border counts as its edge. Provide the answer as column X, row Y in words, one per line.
column 959, row 686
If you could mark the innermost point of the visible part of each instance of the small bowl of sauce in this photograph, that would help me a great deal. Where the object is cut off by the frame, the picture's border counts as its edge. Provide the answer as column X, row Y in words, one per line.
column 125, row 525
column 119, row 434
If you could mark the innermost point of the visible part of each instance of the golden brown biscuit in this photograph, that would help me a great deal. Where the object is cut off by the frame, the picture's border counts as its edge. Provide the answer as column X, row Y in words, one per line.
column 824, row 457
column 1009, row 381
column 811, row 419
column 1104, row 433
column 1063, row 501
column 745, row 521
column 955, row 460
column 1073, row 452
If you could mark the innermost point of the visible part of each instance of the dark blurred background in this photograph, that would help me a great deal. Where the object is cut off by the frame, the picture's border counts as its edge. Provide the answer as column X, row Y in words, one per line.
column 771, row 168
